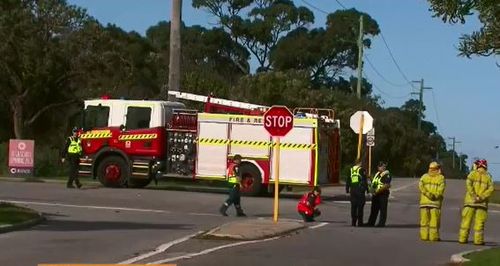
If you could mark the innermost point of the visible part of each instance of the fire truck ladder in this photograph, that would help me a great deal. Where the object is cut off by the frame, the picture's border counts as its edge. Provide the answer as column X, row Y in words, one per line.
column 218, row 101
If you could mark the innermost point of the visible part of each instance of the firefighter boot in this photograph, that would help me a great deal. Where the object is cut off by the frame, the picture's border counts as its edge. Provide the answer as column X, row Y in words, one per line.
column 223, row 209
column 239, row 212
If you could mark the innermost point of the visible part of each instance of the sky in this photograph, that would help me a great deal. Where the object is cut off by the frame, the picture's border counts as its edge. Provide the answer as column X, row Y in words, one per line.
column 465, row 94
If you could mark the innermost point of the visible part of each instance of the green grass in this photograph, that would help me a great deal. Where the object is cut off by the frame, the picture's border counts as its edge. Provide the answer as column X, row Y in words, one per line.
column 484, row 258
column 11, row 214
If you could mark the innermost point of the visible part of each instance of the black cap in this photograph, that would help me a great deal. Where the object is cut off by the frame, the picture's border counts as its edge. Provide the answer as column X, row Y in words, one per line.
column 382, row 163
column 236, row 157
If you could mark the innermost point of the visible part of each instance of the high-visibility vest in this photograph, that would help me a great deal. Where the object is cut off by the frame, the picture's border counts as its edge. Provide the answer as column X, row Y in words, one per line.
column 377, row 181
column 231, row 174
column 355, row 174
column 75, row 146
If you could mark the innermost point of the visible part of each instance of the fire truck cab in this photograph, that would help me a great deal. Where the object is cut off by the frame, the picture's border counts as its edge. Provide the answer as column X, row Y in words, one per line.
column 129, row 143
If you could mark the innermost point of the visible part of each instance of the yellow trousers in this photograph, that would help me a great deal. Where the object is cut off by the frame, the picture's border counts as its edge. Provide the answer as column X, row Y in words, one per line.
column 479, row 215
column 430, row 221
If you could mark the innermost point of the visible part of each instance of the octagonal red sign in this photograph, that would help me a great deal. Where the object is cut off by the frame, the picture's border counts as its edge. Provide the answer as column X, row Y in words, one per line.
column 278, row 121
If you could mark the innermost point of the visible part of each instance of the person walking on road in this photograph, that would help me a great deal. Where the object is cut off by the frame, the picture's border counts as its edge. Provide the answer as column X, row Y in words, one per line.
column 432, row 186
column 356, row 185
column 479, row 187
column 71, row 152
column 234, row 178
column 308, row 203
column 380, row 185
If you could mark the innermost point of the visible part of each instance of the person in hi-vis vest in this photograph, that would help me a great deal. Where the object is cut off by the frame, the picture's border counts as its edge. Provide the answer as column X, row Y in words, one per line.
column 71, row 152
column 234, row 178
column 356, row 186
column 431, row 186
column 479, row 187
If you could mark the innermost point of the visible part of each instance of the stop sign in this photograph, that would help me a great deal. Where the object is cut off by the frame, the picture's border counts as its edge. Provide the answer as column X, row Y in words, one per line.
column 278, row 121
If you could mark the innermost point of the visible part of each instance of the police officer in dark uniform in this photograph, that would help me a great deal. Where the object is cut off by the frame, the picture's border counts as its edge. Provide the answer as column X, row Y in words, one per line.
column 380, row 185
column 234, row 178
column 357, row 185
column 71, row 152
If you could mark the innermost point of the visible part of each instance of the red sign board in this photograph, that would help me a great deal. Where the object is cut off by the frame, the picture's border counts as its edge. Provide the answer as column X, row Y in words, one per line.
column 21, row 156
column 278, row 121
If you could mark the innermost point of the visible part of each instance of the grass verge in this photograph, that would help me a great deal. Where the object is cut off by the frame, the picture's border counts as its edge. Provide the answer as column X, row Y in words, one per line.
column 11, row 214
column 484, row 258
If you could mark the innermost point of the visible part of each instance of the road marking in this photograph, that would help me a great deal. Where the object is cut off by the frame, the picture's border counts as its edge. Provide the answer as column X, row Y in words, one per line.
column 160, row 249
column 405, row 186
column 210, row 250
column 84, row 206
column 203, row 214
column 317, row 226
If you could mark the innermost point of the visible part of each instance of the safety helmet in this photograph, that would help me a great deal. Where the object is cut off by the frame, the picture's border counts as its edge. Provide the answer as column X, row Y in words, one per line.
column 482, row 163
column 434, row 166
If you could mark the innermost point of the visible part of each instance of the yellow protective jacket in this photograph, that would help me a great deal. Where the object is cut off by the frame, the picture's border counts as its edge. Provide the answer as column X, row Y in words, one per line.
column 432, row 187
column 479, row 184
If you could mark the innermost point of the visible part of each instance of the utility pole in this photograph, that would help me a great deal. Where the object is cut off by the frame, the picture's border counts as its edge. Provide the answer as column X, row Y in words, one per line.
column 360, row 56
column 174, row 68
column 421, row 101
column 453, row 146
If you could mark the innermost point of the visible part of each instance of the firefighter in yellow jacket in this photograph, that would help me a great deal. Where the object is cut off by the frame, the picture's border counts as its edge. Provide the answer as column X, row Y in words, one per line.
column 431, row 185
column 479, row 186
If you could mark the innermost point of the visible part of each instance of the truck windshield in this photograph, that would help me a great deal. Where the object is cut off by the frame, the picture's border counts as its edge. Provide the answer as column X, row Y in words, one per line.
column 96, row 117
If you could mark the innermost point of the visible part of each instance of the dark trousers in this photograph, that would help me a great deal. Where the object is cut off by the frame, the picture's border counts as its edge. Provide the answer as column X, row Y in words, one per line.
column 310, row 218
column 357, row 206
column 73, row 164
column 379, row 204
column 234, row 197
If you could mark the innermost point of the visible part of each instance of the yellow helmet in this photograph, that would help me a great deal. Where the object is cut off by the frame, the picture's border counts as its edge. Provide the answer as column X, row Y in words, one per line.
column 434, row 166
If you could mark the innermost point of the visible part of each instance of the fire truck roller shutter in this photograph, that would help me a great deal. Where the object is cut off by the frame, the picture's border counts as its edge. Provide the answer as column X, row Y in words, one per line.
column 249, row 140
column 113, row 171
column 212, row 159
column 296, row 163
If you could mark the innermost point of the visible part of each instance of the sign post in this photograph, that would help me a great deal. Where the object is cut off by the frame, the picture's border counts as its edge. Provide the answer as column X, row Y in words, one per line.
column 370, row 142
column 361, row 122
column 21, row 157
column 278, row 121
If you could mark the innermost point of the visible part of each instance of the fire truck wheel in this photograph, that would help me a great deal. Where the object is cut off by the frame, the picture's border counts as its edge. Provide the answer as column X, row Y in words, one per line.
column 113, row 172
column 251, row 180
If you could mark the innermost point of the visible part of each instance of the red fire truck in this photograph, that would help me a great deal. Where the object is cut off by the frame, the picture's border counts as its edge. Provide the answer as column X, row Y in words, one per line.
column 129, row 143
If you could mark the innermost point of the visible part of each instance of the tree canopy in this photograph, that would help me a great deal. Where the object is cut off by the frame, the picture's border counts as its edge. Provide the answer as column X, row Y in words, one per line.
column 483, row 42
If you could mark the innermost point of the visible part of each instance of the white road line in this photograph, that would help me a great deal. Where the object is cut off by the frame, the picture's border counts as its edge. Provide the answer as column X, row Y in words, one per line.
column 405, row 186
column 318, row 225
column 210, row 250
column 203, row 214
column 84, row 206
column 160, row 249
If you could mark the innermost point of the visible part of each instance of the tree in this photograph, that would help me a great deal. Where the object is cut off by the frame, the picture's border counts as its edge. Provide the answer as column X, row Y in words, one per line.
column 325, row 52
column 482, row 42
column 263, row 25
column 47, row 45
column 211, row 60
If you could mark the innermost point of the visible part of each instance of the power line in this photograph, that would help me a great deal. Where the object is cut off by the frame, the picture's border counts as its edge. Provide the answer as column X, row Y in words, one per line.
column 435, row 109
column 315, row 7
column 385, row 93
column 394, row 60
column 340, row 3
column 382, row 76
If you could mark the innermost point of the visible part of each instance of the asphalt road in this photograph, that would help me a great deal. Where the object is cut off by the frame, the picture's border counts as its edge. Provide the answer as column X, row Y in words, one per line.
column 98, row 225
